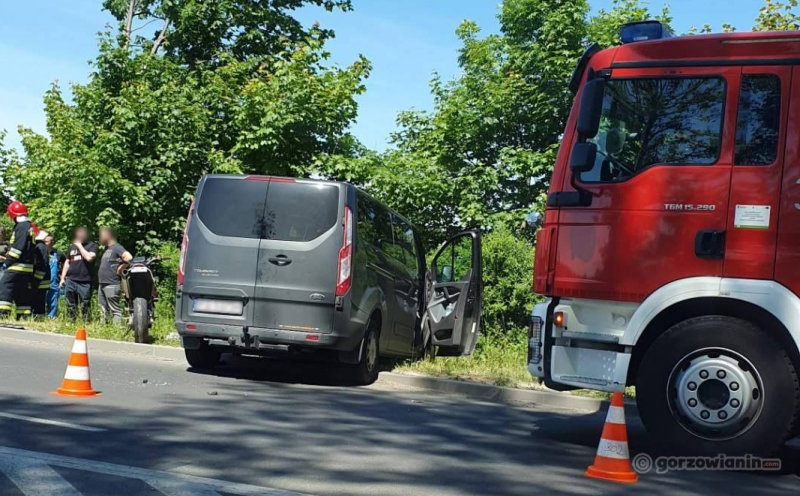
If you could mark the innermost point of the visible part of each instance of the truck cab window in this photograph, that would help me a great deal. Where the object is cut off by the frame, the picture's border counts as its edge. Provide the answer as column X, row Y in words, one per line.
column 657, row 121
column 758, row 121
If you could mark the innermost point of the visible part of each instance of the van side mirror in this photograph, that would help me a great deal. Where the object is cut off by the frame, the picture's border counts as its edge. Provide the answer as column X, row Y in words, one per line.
column 583, row 157
column 591, row 108
column 447, row 274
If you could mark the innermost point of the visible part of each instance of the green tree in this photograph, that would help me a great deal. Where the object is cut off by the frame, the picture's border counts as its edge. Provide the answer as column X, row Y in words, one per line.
column 483, row 156
column 507, row 275
column 777, row 16
column 233, row 86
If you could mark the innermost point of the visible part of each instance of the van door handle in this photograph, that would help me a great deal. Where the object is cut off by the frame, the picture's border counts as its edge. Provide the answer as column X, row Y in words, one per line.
column 280, row 260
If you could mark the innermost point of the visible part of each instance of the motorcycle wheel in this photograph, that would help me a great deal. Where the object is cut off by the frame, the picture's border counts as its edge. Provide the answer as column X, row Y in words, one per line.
column 141, row 320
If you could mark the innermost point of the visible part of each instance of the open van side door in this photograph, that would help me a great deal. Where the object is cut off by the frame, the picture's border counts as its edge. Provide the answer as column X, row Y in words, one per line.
column 454, row 292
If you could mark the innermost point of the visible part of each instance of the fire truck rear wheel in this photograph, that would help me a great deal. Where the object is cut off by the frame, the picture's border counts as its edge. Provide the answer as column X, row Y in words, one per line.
column 717, row 384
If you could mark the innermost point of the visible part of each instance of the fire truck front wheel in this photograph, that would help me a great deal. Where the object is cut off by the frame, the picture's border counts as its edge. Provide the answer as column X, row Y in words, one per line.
column 717, row 384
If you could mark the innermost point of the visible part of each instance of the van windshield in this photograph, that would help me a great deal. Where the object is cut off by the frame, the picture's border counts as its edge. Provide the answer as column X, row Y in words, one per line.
column 286, row 211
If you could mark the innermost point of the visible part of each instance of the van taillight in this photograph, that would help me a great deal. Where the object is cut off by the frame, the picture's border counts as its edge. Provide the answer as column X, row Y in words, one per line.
column 345, row 274
column 184, row 245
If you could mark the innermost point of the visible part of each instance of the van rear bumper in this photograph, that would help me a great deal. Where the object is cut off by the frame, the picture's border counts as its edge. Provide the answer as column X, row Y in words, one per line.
column 257, row 338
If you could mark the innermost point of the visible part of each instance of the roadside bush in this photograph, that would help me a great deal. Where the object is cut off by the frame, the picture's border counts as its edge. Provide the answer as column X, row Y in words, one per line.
column 166, row 274
column 507, row 276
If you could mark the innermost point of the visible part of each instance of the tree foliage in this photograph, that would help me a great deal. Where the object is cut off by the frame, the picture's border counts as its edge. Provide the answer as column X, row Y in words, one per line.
column 234, row 86
column 778, row 16
column 483, row 155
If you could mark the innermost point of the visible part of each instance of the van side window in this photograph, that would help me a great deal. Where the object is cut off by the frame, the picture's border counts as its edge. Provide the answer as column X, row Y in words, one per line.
column 404, row 249
column 758, row 122
column 374, row 224
column 657, row 121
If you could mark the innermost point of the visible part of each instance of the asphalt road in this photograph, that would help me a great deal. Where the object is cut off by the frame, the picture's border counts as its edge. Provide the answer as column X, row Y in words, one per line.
column 272, row 427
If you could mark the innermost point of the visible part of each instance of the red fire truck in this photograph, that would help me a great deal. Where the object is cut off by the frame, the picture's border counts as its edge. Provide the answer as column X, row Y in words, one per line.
column 670, row 249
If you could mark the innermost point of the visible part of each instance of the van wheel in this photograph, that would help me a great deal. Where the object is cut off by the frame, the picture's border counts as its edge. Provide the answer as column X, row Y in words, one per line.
column 717, row 384
column 366, row 371
column 204, row 357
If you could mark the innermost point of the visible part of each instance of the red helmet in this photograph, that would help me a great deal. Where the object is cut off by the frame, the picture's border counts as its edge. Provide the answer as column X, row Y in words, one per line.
column 16, row 208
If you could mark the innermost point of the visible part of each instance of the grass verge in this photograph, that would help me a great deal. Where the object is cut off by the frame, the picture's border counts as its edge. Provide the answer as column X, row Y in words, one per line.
column 499, row 359
column 96, row 328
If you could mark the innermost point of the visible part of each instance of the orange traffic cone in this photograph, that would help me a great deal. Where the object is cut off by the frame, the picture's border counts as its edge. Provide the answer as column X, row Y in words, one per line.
column 613, row 461
column 76, row 378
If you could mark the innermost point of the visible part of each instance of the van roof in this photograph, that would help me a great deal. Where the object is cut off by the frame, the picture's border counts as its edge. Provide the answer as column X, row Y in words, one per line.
column 256, row 177
column 745, row 48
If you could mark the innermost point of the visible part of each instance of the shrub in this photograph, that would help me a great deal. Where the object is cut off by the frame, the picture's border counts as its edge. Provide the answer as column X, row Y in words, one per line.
column 507, row 276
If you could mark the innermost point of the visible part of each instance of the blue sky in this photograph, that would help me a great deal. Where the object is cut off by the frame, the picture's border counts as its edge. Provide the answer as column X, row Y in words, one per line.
column 406, row 40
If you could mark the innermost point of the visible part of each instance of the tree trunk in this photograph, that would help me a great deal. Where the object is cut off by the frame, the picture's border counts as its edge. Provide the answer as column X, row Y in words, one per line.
column 129, row 21
column 161, row 37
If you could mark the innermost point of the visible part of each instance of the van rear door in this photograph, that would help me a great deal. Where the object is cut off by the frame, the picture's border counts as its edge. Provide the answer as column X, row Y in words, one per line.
column 223, row 238
column 298, row 255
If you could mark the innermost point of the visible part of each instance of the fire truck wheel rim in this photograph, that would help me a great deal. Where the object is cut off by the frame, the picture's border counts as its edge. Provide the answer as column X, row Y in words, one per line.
column 716, row 394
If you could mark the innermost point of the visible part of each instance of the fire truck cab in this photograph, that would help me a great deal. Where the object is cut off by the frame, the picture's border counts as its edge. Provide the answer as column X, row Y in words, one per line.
column 670, row 249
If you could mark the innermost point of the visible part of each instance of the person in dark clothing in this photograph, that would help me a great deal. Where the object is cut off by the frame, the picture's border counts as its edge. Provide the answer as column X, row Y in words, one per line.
column 56, row 262
column 76, row 276
column 108, row 275
column 41, row 276
column 14, row 286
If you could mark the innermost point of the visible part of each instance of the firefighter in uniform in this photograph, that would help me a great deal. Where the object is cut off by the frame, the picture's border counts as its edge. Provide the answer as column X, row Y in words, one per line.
column 41, row 275
column 19, row 264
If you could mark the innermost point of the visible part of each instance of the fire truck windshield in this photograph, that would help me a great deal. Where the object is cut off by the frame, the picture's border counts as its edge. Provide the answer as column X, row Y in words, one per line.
column 650, row 121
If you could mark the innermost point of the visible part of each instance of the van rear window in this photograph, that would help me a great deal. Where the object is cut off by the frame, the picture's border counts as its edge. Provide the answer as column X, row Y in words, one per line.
column 287, row 211
column 233, row 207
column 300, row 211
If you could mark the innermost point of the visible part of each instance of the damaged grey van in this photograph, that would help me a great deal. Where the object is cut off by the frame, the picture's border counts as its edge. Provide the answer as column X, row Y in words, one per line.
column 274, row 264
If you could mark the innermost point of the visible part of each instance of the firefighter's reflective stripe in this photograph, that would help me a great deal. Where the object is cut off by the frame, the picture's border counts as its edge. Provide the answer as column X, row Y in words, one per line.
column 44, row 285
column 21, row 267
column 13, row 252
column 39, row 274
column 23, row 310
column 5, row 305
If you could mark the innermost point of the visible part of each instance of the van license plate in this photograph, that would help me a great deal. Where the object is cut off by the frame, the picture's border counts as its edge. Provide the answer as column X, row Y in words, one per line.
column 224, row 307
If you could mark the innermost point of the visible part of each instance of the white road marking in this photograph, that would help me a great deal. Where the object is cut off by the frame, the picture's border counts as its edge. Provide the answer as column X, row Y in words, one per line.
column 57, row 423
column 170, row 484
column 36, row 478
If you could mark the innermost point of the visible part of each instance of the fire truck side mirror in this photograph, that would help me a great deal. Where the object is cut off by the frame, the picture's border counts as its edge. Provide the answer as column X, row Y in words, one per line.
column 582, row 158
column 591, row 108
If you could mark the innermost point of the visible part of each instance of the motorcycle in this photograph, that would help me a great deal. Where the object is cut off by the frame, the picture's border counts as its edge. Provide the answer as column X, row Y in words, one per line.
column 139, row 290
